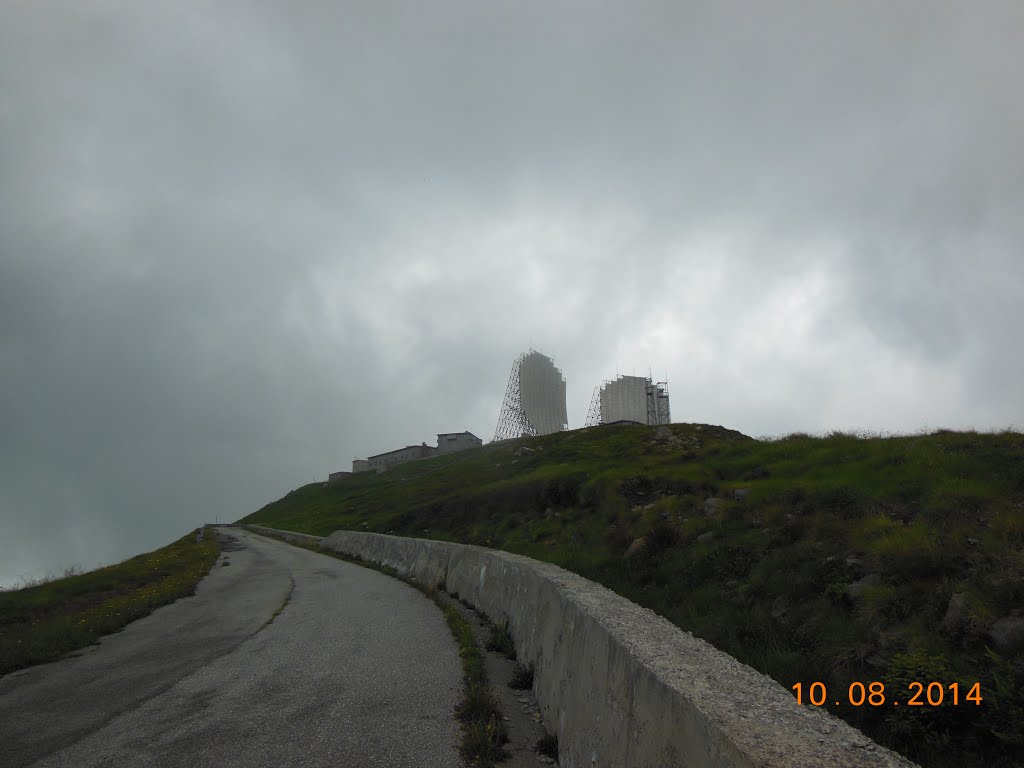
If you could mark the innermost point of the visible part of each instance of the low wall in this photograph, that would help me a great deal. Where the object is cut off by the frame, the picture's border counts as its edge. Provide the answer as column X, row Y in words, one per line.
column 296, row 538
column 619, row 685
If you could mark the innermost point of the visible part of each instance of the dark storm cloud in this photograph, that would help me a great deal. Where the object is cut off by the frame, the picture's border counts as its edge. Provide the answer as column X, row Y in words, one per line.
column 242, row 244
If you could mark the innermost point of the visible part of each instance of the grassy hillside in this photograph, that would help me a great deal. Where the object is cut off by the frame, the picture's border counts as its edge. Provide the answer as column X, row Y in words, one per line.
column 45, row 621
column 840, row 559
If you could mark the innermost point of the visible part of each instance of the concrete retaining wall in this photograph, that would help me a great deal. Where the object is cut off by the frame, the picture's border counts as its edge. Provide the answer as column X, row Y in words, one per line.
column 619, row 685
column 296, row 538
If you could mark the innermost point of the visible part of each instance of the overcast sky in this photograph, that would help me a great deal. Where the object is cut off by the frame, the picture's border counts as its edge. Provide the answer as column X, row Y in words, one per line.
column 242, row 243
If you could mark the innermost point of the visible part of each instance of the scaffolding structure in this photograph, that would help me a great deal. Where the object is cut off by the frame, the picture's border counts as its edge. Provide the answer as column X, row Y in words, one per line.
column 594, row 412
column 629, row 398
column 512, row 421
column 534, row 399
column 657, row 403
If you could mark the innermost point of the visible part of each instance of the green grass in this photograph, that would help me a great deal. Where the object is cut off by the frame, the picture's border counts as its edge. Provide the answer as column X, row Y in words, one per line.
column 484, row 732
column 44, row 622
column 500, row 640
column 766, row 577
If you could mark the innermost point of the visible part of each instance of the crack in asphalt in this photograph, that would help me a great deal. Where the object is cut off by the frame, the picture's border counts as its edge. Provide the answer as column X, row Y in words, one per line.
column 277, row 612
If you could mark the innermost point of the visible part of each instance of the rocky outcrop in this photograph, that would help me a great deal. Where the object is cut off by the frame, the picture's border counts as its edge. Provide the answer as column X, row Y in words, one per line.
column 856, row 590
column 637, row 546
column 1007, row 634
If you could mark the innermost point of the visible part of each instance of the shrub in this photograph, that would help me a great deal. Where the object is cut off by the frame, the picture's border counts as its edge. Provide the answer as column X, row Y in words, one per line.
column 483, row 743
column 522, row 677
column 1009, row 526
column 843, row 501
column 478, row 705
column 877, row 604
column 661, row 537
column 501, row 641
column 1004, row 708
column 925, row 728
column 548, row 746
column 909, row 550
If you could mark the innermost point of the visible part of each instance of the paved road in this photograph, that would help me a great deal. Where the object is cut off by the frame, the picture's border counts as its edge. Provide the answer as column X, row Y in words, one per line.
column 358, row 669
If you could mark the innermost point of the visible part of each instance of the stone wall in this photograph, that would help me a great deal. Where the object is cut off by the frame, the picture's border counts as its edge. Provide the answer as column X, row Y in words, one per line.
column 619, row 685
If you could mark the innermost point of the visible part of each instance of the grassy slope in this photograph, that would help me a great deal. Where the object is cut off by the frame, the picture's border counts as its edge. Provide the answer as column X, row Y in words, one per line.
column 931, row 515
column 42, row 623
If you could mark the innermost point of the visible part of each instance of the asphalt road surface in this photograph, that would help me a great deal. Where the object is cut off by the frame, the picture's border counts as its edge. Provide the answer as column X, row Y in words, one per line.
column 357, row 669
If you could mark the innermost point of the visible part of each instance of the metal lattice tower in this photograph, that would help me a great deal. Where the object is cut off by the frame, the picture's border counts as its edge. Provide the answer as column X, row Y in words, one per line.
column 657, row 403
column 534, row 399
column 512, row 421
column 594, row 412
column 652, row 405
column 662, row 414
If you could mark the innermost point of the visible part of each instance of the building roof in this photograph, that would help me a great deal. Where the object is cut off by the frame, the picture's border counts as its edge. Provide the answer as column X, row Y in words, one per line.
column 399, row 450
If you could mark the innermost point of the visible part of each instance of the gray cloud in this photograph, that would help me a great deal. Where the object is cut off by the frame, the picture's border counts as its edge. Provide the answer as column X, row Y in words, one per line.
column 240, row 245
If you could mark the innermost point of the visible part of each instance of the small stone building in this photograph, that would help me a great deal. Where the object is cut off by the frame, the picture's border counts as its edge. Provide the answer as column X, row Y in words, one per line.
column 450, row 442
column 447, row 442
column 383, row 461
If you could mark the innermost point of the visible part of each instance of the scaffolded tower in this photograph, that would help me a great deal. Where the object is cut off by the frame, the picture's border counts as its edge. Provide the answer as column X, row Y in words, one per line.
column 534, row 399
column 629, row 398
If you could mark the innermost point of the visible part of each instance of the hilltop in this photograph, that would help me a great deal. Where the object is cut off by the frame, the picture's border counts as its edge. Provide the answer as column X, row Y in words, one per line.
column 839, row 559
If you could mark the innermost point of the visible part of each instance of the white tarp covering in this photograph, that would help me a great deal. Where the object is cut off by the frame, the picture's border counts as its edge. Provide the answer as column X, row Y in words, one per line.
column 624, row 399
column 542, row 391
